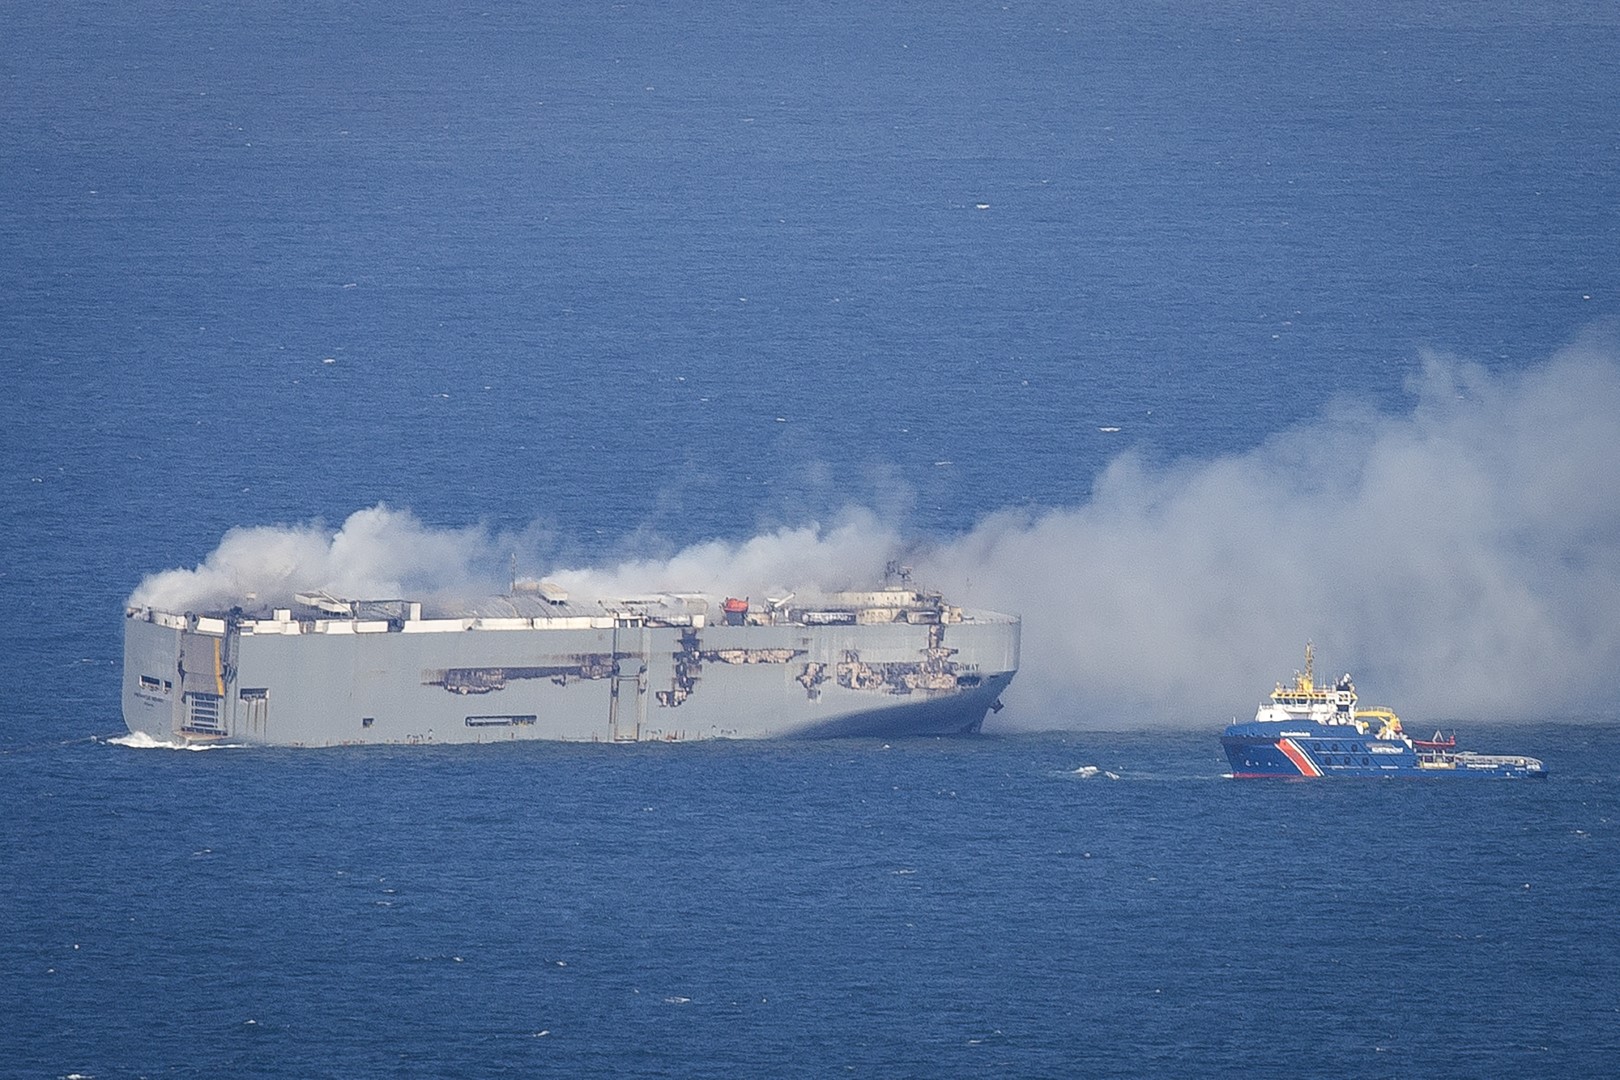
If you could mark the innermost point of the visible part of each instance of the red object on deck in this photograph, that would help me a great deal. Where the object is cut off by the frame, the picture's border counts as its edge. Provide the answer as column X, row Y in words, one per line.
column 1439, row 742
column 734, row 606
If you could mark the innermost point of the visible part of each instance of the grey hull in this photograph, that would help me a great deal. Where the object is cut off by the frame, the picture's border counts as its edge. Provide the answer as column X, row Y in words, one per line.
column 240, row 681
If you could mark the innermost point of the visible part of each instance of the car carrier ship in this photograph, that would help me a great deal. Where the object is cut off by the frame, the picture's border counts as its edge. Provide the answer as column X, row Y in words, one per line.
column 538, row 664
column 1307, row 730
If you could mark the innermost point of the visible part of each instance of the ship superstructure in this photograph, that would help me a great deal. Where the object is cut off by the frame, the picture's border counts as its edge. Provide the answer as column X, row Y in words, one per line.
column 538, row 664
column 1306, row 730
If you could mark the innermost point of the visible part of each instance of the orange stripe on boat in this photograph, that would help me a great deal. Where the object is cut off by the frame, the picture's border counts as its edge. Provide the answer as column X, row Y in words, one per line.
column 1299, row 757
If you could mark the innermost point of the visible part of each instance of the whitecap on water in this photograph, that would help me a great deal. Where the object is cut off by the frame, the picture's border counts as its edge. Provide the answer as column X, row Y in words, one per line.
column 140, row 740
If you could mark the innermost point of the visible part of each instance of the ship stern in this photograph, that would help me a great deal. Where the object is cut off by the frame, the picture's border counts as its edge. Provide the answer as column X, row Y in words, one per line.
column 151, row 685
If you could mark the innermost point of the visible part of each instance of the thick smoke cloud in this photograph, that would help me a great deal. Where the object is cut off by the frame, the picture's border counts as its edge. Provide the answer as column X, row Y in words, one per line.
column 852, row 553
column 378, row 552
column 1461, row 558
column 382, row 552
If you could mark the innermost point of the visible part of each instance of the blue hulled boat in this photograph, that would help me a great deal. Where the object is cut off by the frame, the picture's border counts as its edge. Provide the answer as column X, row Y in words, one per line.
column 1310, row 730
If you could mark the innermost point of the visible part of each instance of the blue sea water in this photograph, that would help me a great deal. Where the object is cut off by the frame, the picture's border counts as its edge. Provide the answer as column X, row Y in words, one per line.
column 929, row 908
column 625, row 277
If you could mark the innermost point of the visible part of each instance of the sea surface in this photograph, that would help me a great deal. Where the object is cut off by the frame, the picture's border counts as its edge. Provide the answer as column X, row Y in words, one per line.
column 1097, row 904
column 623, row 278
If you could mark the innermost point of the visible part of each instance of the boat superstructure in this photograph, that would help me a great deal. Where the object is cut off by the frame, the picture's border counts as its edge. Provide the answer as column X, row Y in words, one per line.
column 538, row 664
column 1307, row 730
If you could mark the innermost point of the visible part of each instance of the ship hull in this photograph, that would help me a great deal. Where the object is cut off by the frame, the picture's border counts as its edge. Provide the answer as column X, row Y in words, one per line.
column 191, row 680
column 1295, row 750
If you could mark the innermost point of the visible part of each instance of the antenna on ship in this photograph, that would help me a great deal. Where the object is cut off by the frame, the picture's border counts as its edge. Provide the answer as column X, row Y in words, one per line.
column 511, row 577
column 1310, row 662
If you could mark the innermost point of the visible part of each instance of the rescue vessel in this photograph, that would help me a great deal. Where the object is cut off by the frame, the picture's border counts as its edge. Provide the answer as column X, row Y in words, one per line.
column 1306, row 730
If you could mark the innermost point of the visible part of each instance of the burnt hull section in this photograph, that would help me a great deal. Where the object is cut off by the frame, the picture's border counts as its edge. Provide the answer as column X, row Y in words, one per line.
column 200, row 680
column 952, row 713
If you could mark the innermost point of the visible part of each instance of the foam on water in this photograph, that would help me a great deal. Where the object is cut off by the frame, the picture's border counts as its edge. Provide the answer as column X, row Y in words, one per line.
column 140, row 740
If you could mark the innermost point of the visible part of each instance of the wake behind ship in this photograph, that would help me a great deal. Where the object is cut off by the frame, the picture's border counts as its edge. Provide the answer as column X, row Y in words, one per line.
column 536, row 664
column 1307, row 730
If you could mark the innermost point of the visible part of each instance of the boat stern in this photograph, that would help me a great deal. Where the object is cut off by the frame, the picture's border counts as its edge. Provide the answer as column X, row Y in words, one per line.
column 151, row 691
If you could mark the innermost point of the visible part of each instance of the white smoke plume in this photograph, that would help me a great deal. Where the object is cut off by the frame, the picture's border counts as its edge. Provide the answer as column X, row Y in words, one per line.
column 383, row 553
column 852, row 553
column 1461, row 558
column 377, row 553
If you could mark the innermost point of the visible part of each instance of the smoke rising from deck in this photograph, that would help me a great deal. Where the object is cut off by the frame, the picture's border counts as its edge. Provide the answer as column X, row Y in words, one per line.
column 378, row 552
column 386, row 553
column 850, row 553
column 1461, row 558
